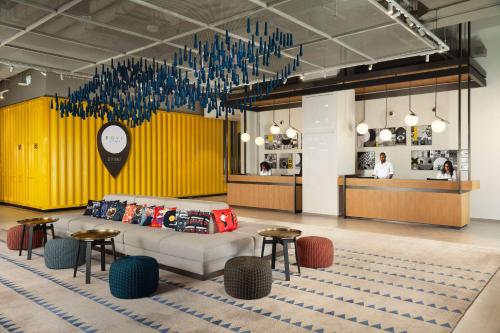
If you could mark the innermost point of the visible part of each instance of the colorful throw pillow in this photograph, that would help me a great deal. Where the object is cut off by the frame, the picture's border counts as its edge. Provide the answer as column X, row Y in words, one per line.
column 90, row 207
column 136, row 219
column 159, row 214
column 225, row 219
column 104, row 208
column 147, row 214
column 129, row 213
column 115, row 211
column 197, row 222
column 170, row 219
column 96, row 209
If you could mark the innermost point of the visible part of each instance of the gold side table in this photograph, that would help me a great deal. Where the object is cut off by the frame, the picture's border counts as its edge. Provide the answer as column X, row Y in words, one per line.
column 33, row 224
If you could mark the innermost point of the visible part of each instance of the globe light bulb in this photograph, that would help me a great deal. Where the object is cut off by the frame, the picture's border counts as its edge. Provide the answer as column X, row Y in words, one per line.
column 259, row 141
column 275, row 129
column 411, row 119
column 438, row 126
column 245, row 137
column 362, row 128
column 385, row 134
column 291, row 133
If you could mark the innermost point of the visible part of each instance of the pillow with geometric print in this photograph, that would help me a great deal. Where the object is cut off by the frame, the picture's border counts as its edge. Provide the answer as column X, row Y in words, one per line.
column 129, row 213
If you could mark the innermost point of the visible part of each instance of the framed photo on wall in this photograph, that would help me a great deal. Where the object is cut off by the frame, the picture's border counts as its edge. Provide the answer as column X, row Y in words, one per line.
column 421, row 135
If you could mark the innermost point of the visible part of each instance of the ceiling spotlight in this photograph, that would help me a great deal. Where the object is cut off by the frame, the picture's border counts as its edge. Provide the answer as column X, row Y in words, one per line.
column 11, row 68
column 396, row 14
column 43, row 73
column 370, row 67
column 421, row 32
column 3, row 92
column 245, row 137
column 427, row 58
column 390, row 9
column 61, row 77
column 301, row 77
column 410, row 22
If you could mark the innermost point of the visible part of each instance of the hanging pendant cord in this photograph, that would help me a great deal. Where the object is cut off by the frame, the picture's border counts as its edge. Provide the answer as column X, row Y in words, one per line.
column 435, row 97
column 386, row 106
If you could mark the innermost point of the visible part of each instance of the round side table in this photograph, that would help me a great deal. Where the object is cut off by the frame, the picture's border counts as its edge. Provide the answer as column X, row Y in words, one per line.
column 33, row 224
column 99, row 237
column 282, row 236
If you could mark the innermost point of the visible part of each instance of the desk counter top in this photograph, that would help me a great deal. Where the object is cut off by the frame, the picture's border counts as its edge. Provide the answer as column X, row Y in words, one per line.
column 414, row 184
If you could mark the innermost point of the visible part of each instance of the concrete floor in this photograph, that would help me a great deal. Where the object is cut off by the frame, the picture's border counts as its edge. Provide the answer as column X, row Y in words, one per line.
column 482, row 316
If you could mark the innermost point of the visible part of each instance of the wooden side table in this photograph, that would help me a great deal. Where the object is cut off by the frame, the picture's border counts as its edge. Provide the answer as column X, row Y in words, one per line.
column 97, row 237
column 33, row 224
column 283, row 236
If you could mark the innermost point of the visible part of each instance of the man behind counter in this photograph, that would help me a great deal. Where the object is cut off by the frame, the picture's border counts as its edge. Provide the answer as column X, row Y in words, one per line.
column 383, row 169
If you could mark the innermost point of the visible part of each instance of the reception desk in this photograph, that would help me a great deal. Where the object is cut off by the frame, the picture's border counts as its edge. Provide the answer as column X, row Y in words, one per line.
column 422, row 201
column 271, row 192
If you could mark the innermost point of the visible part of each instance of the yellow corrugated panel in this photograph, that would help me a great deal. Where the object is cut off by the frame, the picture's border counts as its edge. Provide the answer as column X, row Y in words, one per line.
column 174, row 155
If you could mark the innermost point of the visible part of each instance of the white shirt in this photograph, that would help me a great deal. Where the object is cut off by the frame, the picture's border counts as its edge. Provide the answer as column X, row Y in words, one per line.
column 383, row 170
column 446, row 176
column 265, row 173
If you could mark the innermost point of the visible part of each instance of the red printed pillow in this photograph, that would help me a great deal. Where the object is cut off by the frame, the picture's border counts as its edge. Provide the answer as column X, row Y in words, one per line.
column 159, row 216
column 129, row 213
column 225, row 219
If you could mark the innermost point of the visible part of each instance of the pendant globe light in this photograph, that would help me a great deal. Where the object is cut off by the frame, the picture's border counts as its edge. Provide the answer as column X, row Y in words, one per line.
column 385, row 134
column 439, row 124
column 291, row 131
column 245, row 137
column 362, row 127
column 275, row 128
column 259, row 141
column 411, row 119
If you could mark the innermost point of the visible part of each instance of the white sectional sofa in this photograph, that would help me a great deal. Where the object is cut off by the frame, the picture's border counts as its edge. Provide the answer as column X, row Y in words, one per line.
column 197, row 255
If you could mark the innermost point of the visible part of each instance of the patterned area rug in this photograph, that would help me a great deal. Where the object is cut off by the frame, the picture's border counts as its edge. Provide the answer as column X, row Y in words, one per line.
column 378, row 283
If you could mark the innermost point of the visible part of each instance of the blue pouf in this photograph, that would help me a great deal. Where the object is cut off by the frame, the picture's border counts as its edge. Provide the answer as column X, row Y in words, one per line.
column 133, row 277
column 61, row 253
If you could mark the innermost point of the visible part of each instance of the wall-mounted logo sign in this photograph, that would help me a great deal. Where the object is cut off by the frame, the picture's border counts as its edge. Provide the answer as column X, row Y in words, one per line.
column 113, row 143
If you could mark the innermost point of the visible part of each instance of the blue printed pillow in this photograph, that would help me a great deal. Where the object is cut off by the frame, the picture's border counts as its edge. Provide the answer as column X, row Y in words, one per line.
column 147, row 215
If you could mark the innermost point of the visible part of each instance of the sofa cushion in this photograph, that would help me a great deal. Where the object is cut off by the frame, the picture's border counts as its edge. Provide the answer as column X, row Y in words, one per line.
column 225, row 219
column 146, row 238
column 65, row 219
column 252, row 230
column 154, row 201
column 136, row 218
column 147, row 215
column 120, row 197
column 206, row 206
column 206, row 247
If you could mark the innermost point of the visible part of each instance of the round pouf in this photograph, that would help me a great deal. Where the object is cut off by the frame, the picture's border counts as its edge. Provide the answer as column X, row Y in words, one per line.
column 315, row 252
column 14, row 238
column 133, row 277
column 61, row 253
column 248, row 277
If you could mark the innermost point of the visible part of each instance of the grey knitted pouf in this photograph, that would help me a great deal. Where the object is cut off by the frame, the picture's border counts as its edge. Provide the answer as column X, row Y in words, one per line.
column 61, row 253
column 248, row 277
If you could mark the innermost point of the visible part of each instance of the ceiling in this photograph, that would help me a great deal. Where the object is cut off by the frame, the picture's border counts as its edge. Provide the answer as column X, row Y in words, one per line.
column 73, row 36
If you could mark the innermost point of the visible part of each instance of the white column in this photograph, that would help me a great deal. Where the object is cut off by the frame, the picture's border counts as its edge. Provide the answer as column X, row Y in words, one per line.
column 328, row 148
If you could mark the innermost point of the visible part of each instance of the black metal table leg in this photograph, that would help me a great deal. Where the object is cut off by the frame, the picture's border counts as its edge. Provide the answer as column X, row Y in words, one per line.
column 77, row 257
column 273, row 256
column 44, row 229
column 287, row 261
column 30, row 241
column 263, row 246
column 113, row 248
column 22, row 241
column 88, row 258
column 51, row 227
column 103, row 256
column 296, row 256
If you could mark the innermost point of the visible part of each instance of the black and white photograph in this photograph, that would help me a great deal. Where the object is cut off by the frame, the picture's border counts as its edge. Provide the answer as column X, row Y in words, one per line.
column 286, row 161
column 432, row 159
column 372, row 138
column 272, row 159
column 366, row 160
column 279, row 142
column 421, row 135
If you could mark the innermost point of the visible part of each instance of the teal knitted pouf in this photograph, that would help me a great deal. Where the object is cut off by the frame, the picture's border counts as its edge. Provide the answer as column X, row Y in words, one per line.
column 133, row 277
column 61, row 253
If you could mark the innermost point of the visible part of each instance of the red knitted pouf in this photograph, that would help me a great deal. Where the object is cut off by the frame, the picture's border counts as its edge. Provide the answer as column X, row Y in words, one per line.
column 315, row 252
column 14, row 238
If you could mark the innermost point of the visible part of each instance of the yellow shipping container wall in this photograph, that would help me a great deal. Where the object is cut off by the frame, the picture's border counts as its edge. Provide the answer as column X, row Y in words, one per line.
column 48, row 162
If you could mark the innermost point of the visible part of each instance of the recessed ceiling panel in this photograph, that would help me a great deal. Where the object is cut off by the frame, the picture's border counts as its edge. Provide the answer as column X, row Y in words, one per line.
column 386, row 42
column 130, row 16
column 208, row 11
column 335, row 17
column 66, row 27
column 48, row 44
column 6, row 32
column 159, row 52
column 329, row 54
column 19, row 14
column 274, row 21
column 37, row 59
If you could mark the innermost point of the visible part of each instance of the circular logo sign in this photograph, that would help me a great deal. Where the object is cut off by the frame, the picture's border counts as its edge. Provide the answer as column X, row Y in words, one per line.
column 114, row 139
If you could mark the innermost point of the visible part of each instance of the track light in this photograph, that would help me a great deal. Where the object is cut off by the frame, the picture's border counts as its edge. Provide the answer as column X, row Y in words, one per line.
column 61, row 77
column 11, row 68
column 427, row 57
column 370, row 67
column 390, row 9
column 3, row 92
column 396, row 14
column 43, row 73
column 421, row 32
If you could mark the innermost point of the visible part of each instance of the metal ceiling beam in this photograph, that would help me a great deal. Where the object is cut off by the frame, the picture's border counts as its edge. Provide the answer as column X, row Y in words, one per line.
column 65, row 72
column 45, row 53
column 41, row 21
column 309, row 27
